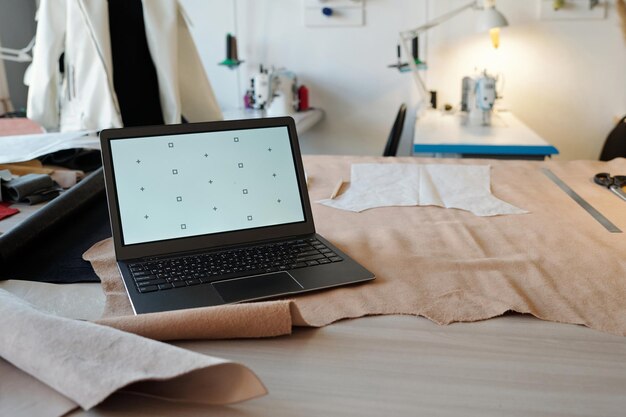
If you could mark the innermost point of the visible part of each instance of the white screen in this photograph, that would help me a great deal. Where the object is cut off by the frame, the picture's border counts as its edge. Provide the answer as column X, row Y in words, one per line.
column 194, row 184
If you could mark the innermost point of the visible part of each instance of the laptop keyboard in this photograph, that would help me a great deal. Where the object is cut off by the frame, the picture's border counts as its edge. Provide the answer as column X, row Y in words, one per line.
column 165, row 274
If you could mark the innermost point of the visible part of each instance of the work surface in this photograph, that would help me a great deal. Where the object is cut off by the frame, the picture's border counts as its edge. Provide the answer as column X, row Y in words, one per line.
column 404, row 365
column 452, row 133
column 397, row 366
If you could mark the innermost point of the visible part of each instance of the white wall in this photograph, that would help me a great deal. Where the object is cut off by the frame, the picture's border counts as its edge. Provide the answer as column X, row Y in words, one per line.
column 566, row 80
column 4, row 88
column 344, row 68
column 17, row 28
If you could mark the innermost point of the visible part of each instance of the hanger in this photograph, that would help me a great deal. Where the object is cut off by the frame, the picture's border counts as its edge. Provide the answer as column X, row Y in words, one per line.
column 17, row 55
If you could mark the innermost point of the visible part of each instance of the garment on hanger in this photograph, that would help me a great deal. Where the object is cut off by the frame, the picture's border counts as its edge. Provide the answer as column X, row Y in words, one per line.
column 155, row 43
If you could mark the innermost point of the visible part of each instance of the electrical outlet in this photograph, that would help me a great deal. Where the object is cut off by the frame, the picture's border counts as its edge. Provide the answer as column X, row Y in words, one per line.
column 333, row 13
column 573, row 10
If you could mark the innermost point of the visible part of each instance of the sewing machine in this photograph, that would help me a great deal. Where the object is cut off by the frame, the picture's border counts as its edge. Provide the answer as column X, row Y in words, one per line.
column 478, row 98
column 275, row 91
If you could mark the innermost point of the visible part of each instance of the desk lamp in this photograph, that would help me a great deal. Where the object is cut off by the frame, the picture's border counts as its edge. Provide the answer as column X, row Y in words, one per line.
column 490, row 20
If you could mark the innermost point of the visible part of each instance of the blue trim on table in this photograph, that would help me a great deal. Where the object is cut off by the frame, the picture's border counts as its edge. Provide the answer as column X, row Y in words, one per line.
column 487, row 149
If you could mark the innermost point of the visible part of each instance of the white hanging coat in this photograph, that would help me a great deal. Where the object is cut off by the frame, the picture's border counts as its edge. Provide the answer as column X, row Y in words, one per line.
column 85, row 98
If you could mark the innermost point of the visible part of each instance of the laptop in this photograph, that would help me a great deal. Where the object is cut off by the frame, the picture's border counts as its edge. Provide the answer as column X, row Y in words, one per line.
column 205, row 214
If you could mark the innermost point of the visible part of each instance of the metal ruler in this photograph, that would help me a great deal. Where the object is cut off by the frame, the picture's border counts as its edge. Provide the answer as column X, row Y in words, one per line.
column 582, row 202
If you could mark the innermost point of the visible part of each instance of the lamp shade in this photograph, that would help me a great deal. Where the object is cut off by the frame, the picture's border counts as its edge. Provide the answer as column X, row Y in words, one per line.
column 489, row 19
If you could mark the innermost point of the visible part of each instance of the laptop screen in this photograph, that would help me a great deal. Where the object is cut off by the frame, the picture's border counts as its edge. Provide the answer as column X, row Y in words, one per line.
column 195, row 184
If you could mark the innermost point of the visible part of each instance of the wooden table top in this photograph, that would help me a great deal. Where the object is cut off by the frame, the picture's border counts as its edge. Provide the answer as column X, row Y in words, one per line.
column 396, row 366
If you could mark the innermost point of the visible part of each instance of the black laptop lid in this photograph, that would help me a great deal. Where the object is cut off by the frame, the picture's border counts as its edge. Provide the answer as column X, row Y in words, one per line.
column 197, row 186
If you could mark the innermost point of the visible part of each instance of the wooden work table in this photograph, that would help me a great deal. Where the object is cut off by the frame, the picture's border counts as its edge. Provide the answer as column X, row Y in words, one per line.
column 396, row 366
column 514, row 365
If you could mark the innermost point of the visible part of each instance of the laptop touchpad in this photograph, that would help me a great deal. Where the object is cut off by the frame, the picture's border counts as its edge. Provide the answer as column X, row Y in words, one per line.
column 257, row 286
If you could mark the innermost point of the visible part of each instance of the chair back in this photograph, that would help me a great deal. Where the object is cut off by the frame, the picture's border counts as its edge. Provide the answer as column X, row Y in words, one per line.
column 615, row 144
column 393, row 141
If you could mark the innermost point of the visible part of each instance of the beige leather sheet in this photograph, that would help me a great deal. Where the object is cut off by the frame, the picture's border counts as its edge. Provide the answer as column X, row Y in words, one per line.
column 556, row 262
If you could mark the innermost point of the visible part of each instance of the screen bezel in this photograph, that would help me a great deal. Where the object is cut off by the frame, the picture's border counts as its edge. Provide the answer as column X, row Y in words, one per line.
column 193, row 243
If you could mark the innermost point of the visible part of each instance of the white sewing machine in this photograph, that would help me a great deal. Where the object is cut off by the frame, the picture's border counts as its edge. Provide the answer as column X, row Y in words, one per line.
column 275, row 91
column 478, row 98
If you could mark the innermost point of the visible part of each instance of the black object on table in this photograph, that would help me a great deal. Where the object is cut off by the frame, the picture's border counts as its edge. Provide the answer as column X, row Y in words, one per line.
column 75, row 158
column 31, row 188
column 48, row 246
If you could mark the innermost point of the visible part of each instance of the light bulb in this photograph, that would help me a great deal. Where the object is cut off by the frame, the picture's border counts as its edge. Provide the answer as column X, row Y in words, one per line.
column 494, row 33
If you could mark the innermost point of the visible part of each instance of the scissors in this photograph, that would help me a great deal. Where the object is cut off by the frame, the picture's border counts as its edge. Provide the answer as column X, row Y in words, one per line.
column 614, row 183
